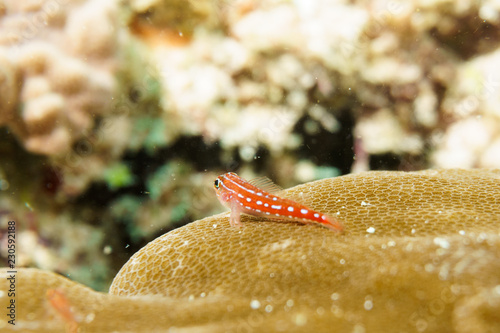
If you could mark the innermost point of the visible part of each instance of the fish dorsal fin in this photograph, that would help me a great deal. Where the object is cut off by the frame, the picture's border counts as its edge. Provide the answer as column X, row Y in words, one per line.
column 266, row 184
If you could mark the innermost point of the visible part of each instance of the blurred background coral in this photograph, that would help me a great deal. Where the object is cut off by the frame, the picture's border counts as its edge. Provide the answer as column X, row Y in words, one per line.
column 116, row 116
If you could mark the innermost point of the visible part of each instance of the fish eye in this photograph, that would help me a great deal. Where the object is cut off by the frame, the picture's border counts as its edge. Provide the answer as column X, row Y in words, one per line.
column 217, row 183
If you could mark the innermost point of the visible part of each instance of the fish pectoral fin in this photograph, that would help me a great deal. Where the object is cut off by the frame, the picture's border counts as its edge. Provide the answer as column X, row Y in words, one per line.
column 234, row 218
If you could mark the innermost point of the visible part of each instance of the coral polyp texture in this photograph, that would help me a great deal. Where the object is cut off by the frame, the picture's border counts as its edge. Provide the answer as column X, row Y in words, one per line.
column 420, row 252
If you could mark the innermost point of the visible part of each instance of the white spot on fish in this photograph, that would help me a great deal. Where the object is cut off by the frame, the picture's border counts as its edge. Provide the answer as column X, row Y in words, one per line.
column 316, row 215
column 275, row 198
column 290, row 209
column 248, row 199
column 303, row 211
column 370, row 230
column 259, row 202
column 240, row 195
column 266, row 204
column 258, row 210
column 248, row 207
column 241, row 203
column 277, row 214
column 251, row 191
column 323, row 217
column 290, row 216
column 268, row 213
column 276, row 206
column 259, row 194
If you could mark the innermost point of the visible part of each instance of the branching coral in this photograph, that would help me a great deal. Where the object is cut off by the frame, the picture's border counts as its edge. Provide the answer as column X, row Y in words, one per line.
column 421, row 250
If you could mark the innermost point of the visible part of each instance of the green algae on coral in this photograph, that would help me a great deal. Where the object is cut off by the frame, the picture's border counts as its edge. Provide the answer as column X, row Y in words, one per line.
column 118, row 175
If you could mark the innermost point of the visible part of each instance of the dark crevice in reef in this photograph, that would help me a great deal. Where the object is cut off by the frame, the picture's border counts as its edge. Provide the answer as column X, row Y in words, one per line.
column 470, row 36
column 143, row 164
column 323, row 147
column 387, row 161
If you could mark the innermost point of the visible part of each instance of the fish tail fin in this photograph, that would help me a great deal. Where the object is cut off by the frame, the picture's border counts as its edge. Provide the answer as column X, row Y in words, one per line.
column 333, row 224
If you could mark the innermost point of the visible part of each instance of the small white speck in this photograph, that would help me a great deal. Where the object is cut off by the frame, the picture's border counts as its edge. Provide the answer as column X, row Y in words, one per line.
column 443, row 243
column 215, row 226
column 440, row 211
column 259, row 202
column 365, row 203
column 290, row 209
column 300, row 319
column 258, row 210
column 186, row 242
column 289, row 303
column 259, row 194
column 342, row 261
column 248, row 199
column 277, row 214
column 266, row 205
column 497, row 289
column 191, row 297
column 391, row 243
column 335, row 296
column 127, row 246
column 269, row 308
column 276, row 206
column 323, row 217
column 268, row 213
column 240, row 195
column 251, row 191
column 203, row 295
column 290, row 216
column 255, row 304
column 248, row 207
column 241, row 203
column 304, row 211
column 316, row 215
column 413, row 231
column 368, row 305
column 461, row 232
column 107, row 249
column 370, row 230
column 275, row 199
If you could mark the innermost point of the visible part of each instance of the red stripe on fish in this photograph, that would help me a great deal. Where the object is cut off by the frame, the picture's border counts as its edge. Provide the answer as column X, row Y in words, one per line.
column 242, row 196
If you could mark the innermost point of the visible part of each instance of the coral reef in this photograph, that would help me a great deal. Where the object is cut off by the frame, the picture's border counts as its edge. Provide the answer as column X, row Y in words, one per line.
column 421, row 250
column 115, row 117
column 61, row 55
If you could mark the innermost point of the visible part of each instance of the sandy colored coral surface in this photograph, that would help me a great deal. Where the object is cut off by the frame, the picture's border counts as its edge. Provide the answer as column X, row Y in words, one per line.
column 421, row 253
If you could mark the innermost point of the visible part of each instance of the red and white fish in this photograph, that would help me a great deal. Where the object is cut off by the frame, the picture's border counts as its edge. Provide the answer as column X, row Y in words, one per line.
column 60, row 303
column 256, row 198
